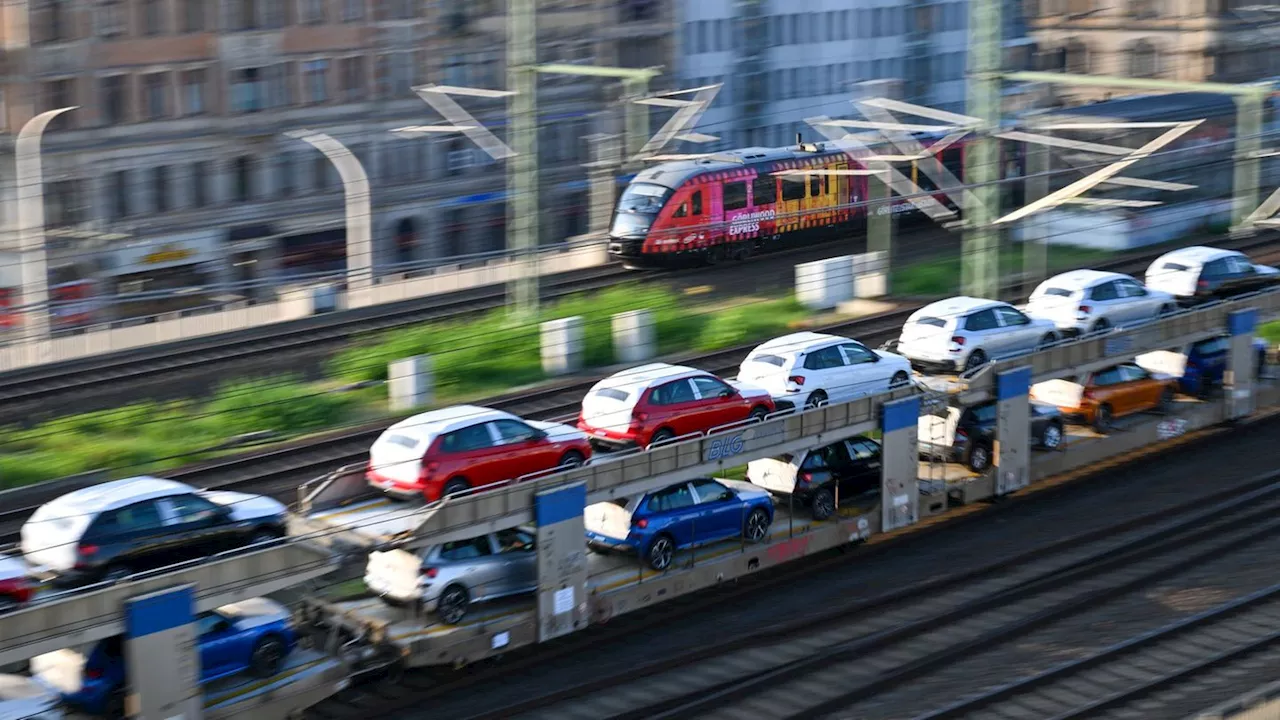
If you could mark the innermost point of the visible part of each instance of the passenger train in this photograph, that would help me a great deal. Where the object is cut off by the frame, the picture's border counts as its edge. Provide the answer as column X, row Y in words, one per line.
column 729, row 205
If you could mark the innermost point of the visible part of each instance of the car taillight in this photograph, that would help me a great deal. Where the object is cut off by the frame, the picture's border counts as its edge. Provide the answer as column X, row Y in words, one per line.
column 957, row 339
column 641, row 523
column 1088, row 394
column 961, row 436
column 88, row 550
column 806, row 477
column 638, row 418
column 797, row 379
column 93, row 673
column 1202, row 284
column 1085, row 309
column 429, row 572
column 424, row 474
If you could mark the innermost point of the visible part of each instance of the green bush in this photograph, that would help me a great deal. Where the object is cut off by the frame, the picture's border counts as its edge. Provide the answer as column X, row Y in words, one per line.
column 747, row 322
column 24, row 468
column 1270, row 332
column 281, row 404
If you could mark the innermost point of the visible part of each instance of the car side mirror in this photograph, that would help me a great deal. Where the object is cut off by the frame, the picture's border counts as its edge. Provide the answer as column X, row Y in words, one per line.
column 728, row 393
column 727, row 495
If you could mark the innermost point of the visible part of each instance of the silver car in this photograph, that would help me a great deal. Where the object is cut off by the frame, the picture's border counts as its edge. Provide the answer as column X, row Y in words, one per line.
column 1084, row 301
column 448, row 578
column 963, row 333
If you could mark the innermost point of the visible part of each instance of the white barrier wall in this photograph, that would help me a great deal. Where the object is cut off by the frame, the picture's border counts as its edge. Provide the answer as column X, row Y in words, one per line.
column 562, row 346
column 1121, row 229
column 824, row 284
column 410, row 383
column 99, row 342
column 633, row 336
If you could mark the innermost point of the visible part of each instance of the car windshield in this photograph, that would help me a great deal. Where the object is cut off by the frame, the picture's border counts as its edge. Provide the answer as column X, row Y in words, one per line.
column 1175, row 267
column 613, row 394
column 769, row 360
column 931, row 321
column 1058, row 292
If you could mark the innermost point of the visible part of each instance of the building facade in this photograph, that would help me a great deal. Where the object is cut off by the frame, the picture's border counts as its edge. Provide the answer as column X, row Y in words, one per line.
column 1187, row 40
column 177, row 155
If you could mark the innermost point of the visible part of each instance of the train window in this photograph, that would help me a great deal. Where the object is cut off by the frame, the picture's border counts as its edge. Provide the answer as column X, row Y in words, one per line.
column 792, row 189
column 735, row 195
column 815, row 185
column 764, row 190
column 922, row 179
column 953, row 160
column 682, row 211
column 697, row 203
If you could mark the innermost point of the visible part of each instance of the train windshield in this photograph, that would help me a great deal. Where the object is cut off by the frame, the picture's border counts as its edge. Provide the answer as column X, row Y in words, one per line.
column 637, row 208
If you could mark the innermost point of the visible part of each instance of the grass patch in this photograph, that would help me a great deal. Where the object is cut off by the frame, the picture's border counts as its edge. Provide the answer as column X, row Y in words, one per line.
column 942, row 277
column 1270, row 332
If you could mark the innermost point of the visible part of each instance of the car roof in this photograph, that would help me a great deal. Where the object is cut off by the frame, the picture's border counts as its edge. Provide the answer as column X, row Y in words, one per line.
column 106, row 496
column 432, row 424
column 647, row 375
column 799, row 342
column 952, row 307
column 1195, row 255
column 1080, row 279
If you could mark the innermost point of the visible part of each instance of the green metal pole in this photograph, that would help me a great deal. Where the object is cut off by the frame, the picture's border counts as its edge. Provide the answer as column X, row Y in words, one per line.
column 1035, row 247
column 522, row 169
column 1248, row 143
column 880, row 218
column 637, row 116
column 979, row 268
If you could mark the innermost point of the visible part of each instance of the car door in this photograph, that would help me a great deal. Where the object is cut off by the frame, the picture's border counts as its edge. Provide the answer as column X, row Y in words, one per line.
column 138, row 533
column 199, row 527
column 718, row 403
column 1016, row 330
column 1138, row 303
column 673, row 510
column 862, row 372
column 476, row 565
column 982, row 329
column 1108, row 386
column 219, row 654
column 473, row 453
column 1215, row 277
column 1104, row 299
column 518, row 552
column 720, row 513
column 865, row 467
column 524, row 450
column 677, row 407
column 822, row 371
column 1143, row 388
column 1241, row 274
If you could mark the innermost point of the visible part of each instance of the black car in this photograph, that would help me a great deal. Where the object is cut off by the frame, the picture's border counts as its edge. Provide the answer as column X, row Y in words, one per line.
column 972, row 440
column 115, row 529
column 848, row 468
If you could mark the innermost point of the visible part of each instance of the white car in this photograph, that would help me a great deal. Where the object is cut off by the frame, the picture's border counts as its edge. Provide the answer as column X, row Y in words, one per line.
column 808, row 368
column 115, row 529
column 1084, row 301
column 24, row 698
column 964, row 333
column 1198, row 273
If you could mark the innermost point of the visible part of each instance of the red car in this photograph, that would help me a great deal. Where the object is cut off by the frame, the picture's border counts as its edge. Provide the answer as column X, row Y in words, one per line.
column 16, row 587
column 654, row 403
column 447, row 451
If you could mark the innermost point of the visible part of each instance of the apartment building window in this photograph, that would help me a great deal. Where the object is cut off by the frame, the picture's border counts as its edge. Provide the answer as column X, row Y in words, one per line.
column 638, row 10
column 382, row 77
column 59, row 94
column 352, row 74
column 152, row 17
column 49, row 21
column 193, row 14
column 160, row 188
column 313, row 12
column 1143, row 60
column 247, row 90
column 62, row 203
column 1077, row 57
column 274, row 14
column 111, row 99
column 110, row 18
column 119, row 184
column 194, row 83
column 352, row 10
column 154, row 91
column 243, row 179
column 201, row 172
column 315, row 75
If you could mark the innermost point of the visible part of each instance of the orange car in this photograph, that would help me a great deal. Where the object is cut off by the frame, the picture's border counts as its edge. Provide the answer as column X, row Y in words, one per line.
column 1103, row 395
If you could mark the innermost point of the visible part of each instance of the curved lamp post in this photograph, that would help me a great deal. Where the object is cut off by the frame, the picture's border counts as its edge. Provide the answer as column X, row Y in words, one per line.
column 355, row 185
column 35, row 267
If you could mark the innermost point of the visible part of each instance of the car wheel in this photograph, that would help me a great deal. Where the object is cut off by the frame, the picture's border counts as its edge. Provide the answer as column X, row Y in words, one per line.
column 756, row 528
column 1051, row 439
column 662, row 436
column 816, row 398
column 1166, row 401
column 661, row 552
column 571, row 459
column 1102, row 419
column 453, row 603
column 976, row 359
column 1046, row 341
column 268, row 655
column 979, row 458
column 7, row 604
column 899, row 379
column 822, row 504
column 758, row 413
column 1101, row 326
column 454, row 486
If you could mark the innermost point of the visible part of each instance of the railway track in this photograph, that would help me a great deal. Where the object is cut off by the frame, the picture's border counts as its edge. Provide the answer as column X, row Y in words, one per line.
column 174, row 369
column 690, row 659
column 278, row 470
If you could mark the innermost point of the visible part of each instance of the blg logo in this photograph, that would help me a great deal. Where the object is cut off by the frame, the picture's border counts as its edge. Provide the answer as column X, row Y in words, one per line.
column 722, row 448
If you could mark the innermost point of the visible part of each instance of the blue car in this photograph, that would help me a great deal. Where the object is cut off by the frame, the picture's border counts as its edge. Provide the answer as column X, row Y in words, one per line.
column 253, row 636
column 657, row 524
column 1198, row 366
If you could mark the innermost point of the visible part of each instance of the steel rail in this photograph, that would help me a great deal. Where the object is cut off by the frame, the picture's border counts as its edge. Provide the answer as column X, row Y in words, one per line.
column 277, row 470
